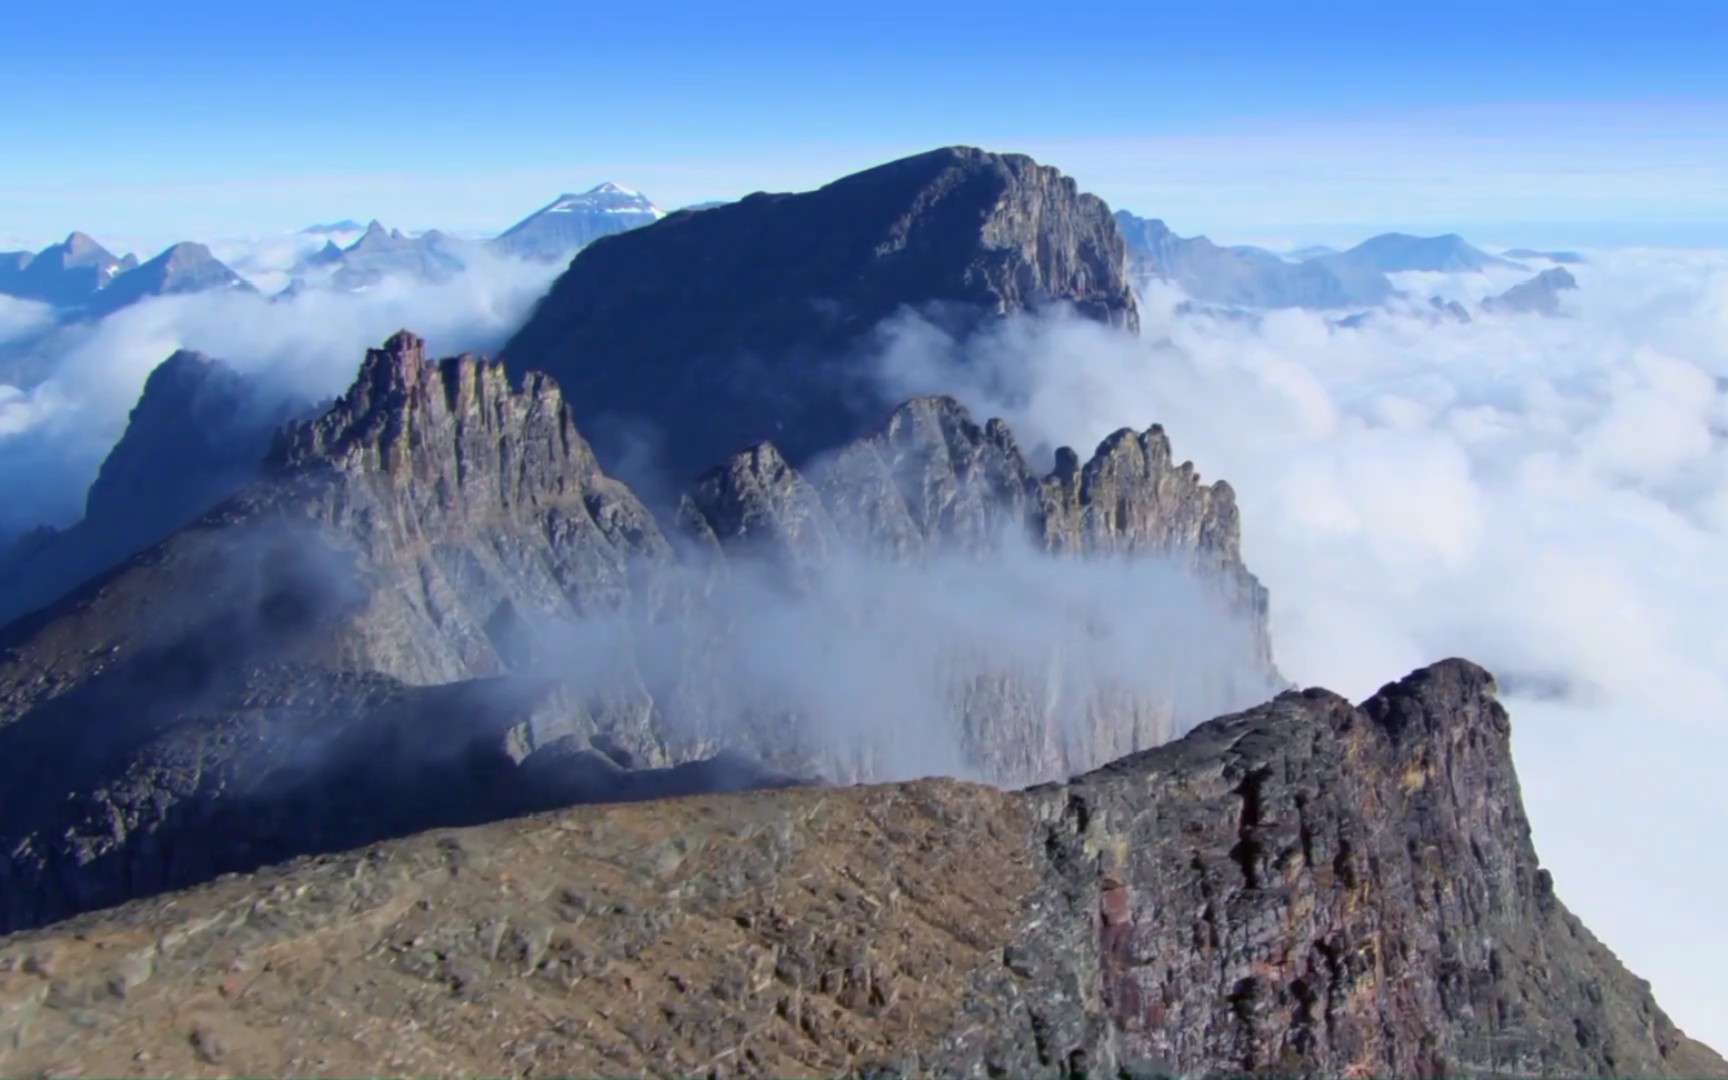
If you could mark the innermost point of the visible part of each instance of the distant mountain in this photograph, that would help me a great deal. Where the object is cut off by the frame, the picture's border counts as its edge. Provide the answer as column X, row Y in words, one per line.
column 183, row 268
column 1571, row 258
column 328, row 255
column 1451, row 309
column 1312, row 251
column 197, row 434
column 738, row 323
column 1437, row 311
column 572, row 222
column 1244, row 276
column 66, row 275
column 1392, row 253
column 1538, row 296
column 346, row 225
column 381, row 253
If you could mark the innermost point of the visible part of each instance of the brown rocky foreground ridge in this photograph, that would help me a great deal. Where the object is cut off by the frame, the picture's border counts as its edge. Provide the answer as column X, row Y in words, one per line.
column 1308, row 887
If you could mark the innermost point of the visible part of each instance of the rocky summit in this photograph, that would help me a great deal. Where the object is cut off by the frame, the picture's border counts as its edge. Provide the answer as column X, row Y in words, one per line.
column 1305, row 888
column 710, row 330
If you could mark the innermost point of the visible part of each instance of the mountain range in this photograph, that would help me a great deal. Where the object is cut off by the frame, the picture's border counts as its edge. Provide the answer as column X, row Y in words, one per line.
column 433, row 606
column 1319, row 278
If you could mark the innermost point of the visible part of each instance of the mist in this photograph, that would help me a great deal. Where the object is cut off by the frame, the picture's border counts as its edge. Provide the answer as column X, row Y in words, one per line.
column 55, row 432
column 1548, row 497
column 1010, row 667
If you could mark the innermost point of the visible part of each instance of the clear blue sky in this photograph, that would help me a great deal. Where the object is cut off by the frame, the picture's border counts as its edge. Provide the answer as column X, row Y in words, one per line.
column 209, row 118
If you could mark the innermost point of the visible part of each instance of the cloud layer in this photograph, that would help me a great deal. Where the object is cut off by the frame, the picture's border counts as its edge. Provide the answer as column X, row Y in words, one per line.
column 54, row 433
column 1548, row 497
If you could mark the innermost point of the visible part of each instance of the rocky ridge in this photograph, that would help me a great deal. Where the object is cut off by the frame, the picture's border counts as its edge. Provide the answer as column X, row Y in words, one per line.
column 1305, row 888
column 442, row 540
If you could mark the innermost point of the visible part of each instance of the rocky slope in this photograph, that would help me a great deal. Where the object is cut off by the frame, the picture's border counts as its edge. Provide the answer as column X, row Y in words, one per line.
column 440, row 536
column 709, row 331
column 1306, row 888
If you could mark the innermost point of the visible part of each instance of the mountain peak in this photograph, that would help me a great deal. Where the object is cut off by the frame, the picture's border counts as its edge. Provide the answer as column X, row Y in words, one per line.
column 962, row 235
column 186, row 254
column 1540, row 295
column 79, row 243
column 573, row 221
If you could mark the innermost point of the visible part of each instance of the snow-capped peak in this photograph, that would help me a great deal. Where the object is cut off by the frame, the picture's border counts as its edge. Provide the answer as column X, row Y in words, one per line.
column 607, row 198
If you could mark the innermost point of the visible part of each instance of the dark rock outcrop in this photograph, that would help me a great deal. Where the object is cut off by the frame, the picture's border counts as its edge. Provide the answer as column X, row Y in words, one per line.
column 1306, row 888
column 197, row 435
column 1538, row 296
column 717, row 329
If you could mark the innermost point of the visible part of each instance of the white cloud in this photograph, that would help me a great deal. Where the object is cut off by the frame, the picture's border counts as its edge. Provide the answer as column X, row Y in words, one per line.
column 53, row 435
column 21, row 318
column 1548, row 497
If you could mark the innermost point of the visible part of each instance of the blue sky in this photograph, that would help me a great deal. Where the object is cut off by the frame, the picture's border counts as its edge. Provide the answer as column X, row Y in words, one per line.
column 1531, row 121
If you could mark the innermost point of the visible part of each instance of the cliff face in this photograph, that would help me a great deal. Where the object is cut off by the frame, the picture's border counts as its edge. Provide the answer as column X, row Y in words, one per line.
column 1305, row 888
column 440, row 542
column 709, row 331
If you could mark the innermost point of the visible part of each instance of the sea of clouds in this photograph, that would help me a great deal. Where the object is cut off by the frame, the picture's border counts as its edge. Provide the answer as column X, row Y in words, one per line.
column 1548, row 497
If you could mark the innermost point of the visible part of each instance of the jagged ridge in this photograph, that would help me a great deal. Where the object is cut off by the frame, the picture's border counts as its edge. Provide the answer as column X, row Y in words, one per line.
column 438, row 525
